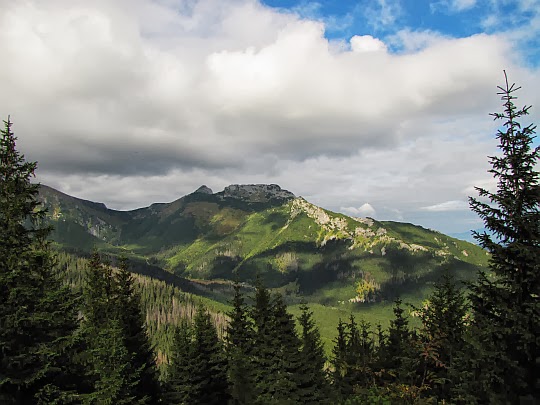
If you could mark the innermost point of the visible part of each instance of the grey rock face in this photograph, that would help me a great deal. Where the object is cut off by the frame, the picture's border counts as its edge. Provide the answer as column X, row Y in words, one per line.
column 256, row 192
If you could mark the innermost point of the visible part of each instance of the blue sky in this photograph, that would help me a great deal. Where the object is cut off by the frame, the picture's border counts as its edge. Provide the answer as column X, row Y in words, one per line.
column 371, row 108
column 453, row 18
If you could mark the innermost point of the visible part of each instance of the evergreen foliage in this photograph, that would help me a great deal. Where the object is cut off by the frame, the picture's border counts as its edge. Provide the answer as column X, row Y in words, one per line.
column 198, row 369
column 210, row 375
column 136, row 339
column 119, row 358
column 397, row 344
column 263, row 357
column 442, row 335
column 179, row 388
column 339, row 362
column 506, row 303
column 37, row 313
column 313, row 386
column 239, row 338
column 283, row 383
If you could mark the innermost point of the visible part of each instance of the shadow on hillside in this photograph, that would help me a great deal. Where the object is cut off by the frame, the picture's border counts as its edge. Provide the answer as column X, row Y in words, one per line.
column 332, row 260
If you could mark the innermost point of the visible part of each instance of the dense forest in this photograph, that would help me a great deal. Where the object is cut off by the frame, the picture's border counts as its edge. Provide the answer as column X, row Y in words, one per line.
column 76, row 330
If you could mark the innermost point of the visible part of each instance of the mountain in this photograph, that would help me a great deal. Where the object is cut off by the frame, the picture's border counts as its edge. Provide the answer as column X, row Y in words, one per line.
column 249, row 230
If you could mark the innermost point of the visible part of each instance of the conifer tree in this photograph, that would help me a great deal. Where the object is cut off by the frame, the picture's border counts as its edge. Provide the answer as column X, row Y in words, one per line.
column 120, row 360
column 128, row 305
column 209, row 374
column 366, row 358
column 353, row 374
column 443, row 330
column 339, row 362
column 398, row 343
column 37, row 313
column 239, row 347
column 313, row 387
column 180, row 388
column 506, row 303
column 284, row 382
column 264, row 346
column 107, row 358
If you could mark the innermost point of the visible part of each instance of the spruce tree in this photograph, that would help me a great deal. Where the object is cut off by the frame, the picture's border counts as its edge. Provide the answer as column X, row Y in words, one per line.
column 209, row 376
column 366, row 359
column 313, row 387
column 119, row 357
column 287, row 362
column 339, row 362
column 239, row 348
column 106, row 356
column 505, row 302
column 263, row 343
column 136, row 340
column 397, row 345
column 442, row 333
column 37, row 313
column 179, row 386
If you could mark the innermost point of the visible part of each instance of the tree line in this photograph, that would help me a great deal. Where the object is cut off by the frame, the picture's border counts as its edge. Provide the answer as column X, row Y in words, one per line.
column 478, row 345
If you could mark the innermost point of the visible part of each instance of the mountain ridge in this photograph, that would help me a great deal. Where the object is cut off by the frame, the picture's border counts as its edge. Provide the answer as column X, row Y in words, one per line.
column 249, row 230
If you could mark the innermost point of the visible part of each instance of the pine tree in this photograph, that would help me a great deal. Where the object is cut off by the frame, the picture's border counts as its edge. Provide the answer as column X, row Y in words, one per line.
column 339, row 362
column 180, row 389
column 443, row 331
column 366, row 358
column 120, row 360
column 506, row 303
column 106, row 357
column 313, row 387
column 128, row 305
column 209, row 376
column 264, row 346
column 239, row 347
column 397, row 345
column 37, row 313
column 287, row 362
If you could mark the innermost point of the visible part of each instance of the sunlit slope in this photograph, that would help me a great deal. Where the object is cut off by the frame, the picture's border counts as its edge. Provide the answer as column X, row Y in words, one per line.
column 262, row 230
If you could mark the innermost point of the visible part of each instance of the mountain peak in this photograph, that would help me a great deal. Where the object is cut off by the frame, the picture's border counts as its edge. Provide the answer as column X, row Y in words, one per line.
column 204, row 190
column 256, row 192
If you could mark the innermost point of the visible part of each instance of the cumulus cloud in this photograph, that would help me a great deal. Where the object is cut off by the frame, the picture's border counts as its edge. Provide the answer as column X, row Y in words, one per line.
column 129, row 102
column 366, row 43
column 365, row 210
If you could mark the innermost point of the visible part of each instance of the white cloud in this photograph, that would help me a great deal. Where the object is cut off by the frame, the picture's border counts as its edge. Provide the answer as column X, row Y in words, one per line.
column 461, row 5
column 448, row 206
column 381, row 13
column 142, row 100
column 366, row 43
column 366, row 210
column 453, row 6
column 413, row 41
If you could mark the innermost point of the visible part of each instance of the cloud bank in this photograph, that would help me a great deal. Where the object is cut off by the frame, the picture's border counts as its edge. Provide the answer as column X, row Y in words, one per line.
column 132, row 102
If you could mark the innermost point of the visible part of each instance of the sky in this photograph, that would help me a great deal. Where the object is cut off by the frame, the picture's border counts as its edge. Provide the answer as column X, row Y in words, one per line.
column 371, row 108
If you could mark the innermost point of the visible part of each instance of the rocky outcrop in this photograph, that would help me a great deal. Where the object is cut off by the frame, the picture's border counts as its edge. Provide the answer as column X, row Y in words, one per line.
column 256, row 192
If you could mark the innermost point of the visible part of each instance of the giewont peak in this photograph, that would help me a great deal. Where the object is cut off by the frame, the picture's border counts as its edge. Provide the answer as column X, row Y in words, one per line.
column 256, row 192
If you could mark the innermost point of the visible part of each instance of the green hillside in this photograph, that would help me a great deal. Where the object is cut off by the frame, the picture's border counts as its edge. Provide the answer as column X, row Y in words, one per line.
column 202, row 241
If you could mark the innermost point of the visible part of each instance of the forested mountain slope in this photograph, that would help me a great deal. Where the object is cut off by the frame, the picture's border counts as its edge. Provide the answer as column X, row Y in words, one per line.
column 250, row 230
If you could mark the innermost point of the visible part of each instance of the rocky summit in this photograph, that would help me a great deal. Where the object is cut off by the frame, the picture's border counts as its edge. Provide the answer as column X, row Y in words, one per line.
column 256, row 192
